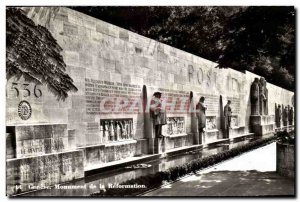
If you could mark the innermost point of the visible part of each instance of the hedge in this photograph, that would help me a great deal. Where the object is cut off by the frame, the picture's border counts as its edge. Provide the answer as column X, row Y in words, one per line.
column 152, row 181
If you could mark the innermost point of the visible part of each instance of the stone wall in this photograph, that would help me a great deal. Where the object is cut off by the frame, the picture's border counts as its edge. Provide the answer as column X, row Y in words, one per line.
column 122, row 69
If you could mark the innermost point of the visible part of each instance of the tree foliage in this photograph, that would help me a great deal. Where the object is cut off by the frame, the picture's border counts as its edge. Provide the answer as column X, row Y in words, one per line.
column 258, row 39
column 32, row 52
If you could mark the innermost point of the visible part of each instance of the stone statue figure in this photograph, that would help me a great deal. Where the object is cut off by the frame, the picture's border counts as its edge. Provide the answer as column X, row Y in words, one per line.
column 262, row 96
column 279, row 115
column 200, row 112
column 276, row 116
column 285, row 116
column 254, row 95
column 291, row 116
column 265, row 101
column 282, row 113
column 227, row 116
column 158, row 114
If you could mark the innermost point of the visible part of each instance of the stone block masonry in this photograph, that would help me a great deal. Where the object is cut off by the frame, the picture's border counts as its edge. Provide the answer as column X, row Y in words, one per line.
column 116, row 72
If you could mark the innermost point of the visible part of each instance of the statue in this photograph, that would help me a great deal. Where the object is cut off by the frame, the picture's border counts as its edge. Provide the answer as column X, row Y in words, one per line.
column 291, row 116
column 265, row 101
column 254, row 95
column 227, row 116
column 158, row 114
column 277, row 116
column 285, row 116
column 262, row 96
column 200, row 112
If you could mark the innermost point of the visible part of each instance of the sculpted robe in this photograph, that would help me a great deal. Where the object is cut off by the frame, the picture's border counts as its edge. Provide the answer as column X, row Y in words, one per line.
column 227, row 115
column 201, row 115
column 254, row 95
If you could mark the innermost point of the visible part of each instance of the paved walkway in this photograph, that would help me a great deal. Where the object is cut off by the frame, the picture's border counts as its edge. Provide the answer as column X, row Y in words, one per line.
column 250, row 174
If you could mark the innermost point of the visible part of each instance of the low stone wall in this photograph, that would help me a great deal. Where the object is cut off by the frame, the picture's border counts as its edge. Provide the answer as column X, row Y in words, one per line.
column 285, row 164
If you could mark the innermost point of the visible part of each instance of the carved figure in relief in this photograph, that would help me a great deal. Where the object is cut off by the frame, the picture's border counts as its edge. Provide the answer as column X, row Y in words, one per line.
column 101, row 131
column 130, row 129
column 111, row 130
column 227, row 117
column 255, row 95
column 158, row 114
column 200, row 112
column 175, row 126
column 123, row 132
column 118, row 130
column 126, row 129
column 106, row 130
column 170, row 125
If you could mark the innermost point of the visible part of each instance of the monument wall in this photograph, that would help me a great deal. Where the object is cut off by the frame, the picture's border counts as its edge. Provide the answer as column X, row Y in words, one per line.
column 116, row 72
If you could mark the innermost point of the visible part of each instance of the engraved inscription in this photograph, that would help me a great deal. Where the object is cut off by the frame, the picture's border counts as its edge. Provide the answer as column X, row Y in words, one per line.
column 104, row 97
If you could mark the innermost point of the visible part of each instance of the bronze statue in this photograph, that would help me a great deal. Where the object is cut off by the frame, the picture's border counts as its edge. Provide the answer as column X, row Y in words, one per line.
column 254, row 95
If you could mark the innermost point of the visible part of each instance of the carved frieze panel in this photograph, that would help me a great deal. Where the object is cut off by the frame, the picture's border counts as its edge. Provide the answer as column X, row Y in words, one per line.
column 211, row 123
column 175, row 126
column 116, row 129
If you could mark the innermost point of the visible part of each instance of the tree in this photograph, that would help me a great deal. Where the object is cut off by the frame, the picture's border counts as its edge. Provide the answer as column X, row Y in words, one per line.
column 262, row 40
column 32, row 52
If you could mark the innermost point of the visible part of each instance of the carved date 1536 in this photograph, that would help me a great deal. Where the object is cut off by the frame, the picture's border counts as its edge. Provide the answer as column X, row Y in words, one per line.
column 27, row 91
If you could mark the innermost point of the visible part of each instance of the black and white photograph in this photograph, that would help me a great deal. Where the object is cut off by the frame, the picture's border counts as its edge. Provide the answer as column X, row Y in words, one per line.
column 149, row 101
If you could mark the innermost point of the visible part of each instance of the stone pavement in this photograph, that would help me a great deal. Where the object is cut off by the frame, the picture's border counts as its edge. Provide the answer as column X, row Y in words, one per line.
column 250, row 174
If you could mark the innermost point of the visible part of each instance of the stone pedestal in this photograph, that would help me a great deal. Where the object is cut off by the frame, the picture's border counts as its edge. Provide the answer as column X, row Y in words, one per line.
column 159, row 145
column 262, row 124
column 210, row 136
